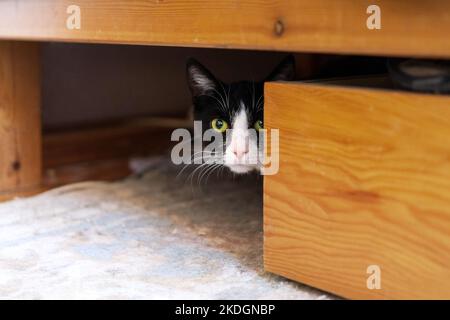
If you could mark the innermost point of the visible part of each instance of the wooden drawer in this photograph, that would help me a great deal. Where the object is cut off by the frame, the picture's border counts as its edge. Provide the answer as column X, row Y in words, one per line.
column 364, row 180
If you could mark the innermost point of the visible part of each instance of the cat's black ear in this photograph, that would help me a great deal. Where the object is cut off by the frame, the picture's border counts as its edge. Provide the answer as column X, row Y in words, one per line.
column 285, row 71
column 199, row 78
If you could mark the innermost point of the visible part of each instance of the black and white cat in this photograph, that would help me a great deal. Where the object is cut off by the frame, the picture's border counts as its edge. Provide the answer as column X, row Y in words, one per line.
column 234, row 109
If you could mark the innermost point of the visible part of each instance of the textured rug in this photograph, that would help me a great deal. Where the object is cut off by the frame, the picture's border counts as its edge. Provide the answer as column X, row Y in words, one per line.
column 158, row 236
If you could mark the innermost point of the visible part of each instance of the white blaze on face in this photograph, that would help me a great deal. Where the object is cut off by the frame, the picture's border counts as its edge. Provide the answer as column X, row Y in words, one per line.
column 241, row 153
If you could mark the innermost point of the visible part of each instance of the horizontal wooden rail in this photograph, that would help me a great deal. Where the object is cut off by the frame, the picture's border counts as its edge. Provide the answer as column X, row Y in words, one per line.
column 413, row 27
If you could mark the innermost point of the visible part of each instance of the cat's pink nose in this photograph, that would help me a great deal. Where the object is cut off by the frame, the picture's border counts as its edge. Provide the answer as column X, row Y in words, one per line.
column 240, row 152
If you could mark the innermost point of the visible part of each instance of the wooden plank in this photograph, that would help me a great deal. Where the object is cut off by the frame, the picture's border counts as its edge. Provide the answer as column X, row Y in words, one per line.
column 99, row 152
column 20, row 118
column 103, row 151
column 364, row 180
column 93, row 170
column 413, row 27
column 109, row 140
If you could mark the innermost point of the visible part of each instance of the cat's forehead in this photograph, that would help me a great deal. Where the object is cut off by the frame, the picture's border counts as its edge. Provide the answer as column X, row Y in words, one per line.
column 227, row 100
column 245, row 88
column 244, row 94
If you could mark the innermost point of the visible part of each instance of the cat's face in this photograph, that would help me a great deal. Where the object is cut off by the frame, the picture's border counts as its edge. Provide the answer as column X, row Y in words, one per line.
column 235, row 110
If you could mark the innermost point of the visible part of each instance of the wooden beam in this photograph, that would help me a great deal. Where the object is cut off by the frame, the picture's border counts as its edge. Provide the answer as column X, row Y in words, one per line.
column 20, row 118
column 412, row 28
column 98, row 152
column 103, row 151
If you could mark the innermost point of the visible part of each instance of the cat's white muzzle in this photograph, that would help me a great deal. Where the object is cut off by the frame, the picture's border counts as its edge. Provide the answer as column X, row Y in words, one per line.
column 241, row 154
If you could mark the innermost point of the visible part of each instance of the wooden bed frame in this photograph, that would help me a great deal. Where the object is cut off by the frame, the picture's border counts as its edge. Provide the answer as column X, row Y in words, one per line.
column 298, row 224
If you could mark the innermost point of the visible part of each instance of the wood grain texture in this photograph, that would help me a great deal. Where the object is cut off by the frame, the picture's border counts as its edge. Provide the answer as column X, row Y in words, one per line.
column 20, row 118
column 413, row 27
column 100, row 153
column 103, row 152
column 139, row 136
column 364, row 180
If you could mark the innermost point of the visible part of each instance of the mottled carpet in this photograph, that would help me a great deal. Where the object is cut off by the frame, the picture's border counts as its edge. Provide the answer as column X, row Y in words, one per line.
column 157, row 236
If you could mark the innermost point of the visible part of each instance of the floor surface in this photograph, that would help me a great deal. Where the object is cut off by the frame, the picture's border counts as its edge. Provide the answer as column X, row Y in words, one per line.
column 159, row 236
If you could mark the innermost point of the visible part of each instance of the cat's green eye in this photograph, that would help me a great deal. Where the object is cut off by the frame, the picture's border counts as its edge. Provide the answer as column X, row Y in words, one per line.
column 219, row 125
column 258, row 125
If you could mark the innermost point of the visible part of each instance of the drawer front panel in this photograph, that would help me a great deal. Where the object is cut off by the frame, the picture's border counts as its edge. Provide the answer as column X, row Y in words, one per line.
column 362, row 193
